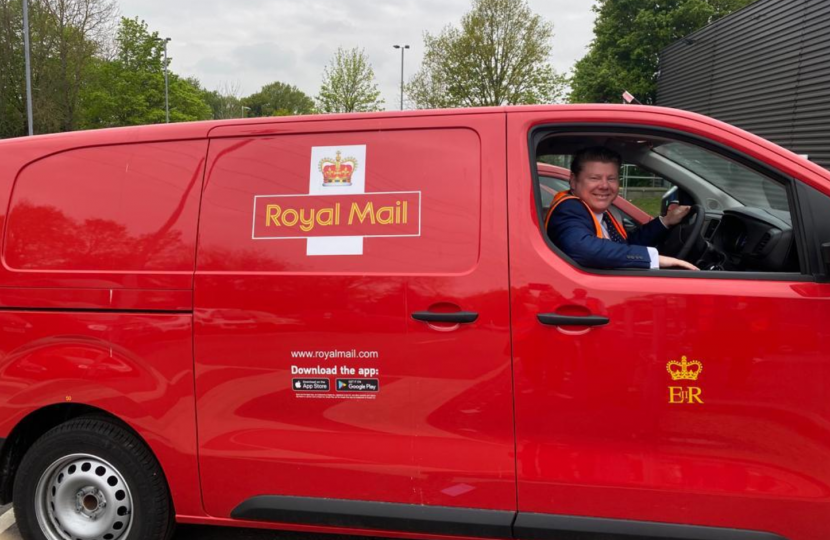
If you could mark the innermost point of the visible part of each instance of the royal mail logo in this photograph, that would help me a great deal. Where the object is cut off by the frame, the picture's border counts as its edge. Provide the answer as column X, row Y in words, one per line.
column 309, row 216
column 338, row 212
column 685, row 370
column 337, row 171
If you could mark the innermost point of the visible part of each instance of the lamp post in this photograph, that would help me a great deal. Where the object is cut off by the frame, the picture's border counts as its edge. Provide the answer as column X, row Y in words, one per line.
column 28, row 67
column 402, row 48
column 244, row 108
column 166, row 86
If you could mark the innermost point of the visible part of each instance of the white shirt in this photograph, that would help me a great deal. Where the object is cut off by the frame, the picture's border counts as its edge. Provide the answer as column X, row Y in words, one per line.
column 653, row 255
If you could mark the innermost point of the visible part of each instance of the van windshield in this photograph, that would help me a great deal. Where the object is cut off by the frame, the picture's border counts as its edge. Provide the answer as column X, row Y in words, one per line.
column 742, row 184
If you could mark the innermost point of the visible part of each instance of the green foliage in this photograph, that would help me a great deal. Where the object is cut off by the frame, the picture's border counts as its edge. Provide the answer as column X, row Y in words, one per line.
column 222, row 105
column 628, row 38
column 66, row 35
column 278, row 99
column 129, row 90
column 77, row 81
column 12, row 84
column 349, row 84
column 186, row 101
column 499, row 56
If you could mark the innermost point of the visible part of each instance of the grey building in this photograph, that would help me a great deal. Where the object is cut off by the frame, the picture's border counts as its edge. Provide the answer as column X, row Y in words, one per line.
column 765, row 68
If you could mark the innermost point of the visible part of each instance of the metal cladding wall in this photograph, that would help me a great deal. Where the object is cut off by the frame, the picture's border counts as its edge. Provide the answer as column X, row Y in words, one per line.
column 765, row 68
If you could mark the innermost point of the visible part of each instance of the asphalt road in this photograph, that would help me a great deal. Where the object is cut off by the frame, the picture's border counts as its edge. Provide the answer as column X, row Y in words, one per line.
column 8, row 531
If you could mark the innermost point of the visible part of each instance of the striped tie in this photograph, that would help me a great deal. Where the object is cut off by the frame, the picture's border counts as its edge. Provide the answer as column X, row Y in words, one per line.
column 613, row 235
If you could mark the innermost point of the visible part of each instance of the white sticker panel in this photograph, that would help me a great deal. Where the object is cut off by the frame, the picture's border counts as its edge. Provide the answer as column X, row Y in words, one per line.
column 328, row 164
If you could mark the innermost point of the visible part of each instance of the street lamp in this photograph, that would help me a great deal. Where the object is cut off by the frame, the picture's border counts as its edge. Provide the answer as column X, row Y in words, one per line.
column 28, row 67
column 166, row 86
column 244, row 108
column 402, row 48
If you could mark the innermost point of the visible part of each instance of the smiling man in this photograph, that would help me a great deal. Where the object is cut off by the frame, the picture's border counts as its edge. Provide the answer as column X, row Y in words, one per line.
column 580, row 224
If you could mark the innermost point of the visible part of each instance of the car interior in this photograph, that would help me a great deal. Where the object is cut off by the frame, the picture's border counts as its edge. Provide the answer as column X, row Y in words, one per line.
column 740, row 219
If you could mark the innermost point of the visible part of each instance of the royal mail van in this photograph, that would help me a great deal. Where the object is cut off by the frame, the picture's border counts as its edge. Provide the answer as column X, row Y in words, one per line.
column 357, row 324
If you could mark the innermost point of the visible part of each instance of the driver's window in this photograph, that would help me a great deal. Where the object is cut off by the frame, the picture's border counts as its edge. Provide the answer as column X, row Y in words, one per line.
column 739, row 221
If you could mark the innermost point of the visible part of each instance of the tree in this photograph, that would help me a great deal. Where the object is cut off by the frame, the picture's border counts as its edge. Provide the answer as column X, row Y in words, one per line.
column 187, row 103
column 224, row 101
column 499, row 56
column 628, row 38
column 80, row 30
column 12, row 89
column 349, row 84
column 66, row 36
column 279, row 99
column 129, row 89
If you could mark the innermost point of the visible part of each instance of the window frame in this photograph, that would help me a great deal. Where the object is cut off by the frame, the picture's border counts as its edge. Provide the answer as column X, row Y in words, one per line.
column 808, row 270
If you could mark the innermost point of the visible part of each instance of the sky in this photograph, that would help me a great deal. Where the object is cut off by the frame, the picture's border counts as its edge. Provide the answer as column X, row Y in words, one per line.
column 249, row 43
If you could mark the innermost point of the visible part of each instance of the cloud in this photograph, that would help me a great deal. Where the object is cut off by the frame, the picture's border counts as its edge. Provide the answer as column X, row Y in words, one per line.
column 261, row 55
column 214, row 66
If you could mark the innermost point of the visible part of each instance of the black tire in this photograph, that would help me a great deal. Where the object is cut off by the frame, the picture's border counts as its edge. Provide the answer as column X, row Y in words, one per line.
column 120, row 459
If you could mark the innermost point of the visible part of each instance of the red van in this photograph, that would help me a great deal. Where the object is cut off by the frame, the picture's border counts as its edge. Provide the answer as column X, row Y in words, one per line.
column 357, row 324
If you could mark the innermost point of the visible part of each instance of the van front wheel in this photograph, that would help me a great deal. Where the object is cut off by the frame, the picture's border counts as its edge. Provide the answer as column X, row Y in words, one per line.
column 91, row 479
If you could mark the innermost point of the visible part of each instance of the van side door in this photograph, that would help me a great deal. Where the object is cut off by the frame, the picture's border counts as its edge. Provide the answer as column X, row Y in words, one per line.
column 352, row 339
column 700, row 398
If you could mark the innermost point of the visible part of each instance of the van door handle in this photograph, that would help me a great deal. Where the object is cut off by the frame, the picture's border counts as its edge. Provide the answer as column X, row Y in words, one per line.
column 554, row 319
column 458, row 317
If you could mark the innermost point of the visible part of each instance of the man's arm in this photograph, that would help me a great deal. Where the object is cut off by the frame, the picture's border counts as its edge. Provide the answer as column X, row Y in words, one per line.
column 650, row 234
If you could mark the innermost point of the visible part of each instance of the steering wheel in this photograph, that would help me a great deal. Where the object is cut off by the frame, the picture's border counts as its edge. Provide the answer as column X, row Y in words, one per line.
column 683, row 236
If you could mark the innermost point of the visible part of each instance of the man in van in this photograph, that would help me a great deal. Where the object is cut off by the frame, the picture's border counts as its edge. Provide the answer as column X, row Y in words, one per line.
column 581, row 225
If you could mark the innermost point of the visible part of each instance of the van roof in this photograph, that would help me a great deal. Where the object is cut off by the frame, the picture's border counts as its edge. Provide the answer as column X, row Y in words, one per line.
column 21, row 149
column 193, row 130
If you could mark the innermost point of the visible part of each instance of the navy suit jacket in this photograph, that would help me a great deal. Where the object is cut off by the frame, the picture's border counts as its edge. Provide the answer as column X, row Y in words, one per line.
column 572, row 229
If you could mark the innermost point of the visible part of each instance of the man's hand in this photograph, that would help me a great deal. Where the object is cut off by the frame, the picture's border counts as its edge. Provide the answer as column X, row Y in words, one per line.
column 671, row 262
column 675, row 214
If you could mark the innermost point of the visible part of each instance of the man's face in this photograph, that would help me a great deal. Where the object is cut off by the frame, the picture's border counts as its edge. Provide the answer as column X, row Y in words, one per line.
column 597, row 185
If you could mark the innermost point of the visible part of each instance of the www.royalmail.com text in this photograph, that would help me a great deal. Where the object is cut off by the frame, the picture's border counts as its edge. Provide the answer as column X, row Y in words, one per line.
column 330, row 355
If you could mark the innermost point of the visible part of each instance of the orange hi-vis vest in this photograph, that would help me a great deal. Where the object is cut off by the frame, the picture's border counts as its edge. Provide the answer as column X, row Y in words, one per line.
column 563, row 196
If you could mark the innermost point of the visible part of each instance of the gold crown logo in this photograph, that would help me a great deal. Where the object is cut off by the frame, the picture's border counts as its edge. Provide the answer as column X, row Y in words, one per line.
column 337, row 171
column 685, row 370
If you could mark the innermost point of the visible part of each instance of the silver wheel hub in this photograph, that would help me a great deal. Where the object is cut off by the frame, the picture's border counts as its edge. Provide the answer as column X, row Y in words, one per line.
column 83, row 497
column 90, row 502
